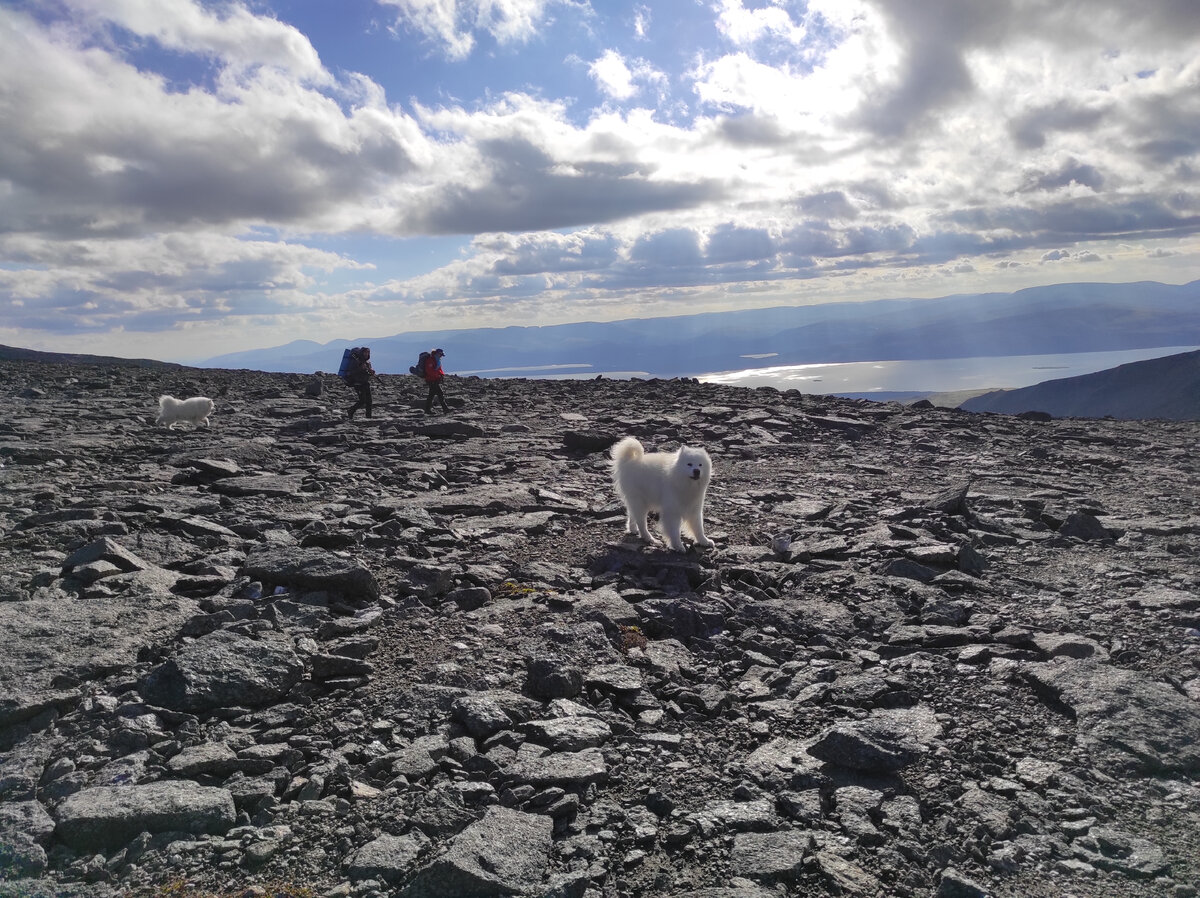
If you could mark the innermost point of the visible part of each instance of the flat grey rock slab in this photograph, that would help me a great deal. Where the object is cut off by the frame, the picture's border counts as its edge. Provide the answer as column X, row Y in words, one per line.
column 569, row 733
column 739, row 816
column 390, row 858
column 1133, row 723
column 1165, row 597
column 109, row 816
column 505, row 853
column 480, row 499
column 105, row 549
column 225, row 669
column 46, row 638
column 884, row 742
column 614, row 678
column 26, row 818
column 312, row 569
column 774, row 858
column 569, row 769
column 607, row 607
column 774, row 764
column 274, row 485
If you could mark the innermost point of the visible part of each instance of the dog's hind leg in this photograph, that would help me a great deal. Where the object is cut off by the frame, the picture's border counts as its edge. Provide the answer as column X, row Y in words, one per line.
column 635, row 522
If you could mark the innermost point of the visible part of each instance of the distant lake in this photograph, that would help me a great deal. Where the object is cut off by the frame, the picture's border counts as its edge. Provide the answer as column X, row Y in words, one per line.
column 935, row 375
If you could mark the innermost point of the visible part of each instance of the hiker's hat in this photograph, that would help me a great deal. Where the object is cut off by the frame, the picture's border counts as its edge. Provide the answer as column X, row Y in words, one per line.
column 439, row 352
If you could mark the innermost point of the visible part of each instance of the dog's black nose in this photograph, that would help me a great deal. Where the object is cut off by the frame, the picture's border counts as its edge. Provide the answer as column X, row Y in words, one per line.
column 695, row 475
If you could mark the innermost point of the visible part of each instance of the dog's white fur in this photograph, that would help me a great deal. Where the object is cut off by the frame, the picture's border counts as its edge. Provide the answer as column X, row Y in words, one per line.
column 672, row 483
column 195, row 411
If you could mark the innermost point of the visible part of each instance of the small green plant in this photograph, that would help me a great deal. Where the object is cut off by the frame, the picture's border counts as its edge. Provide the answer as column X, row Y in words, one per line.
column 510, row 590
column 633, row 638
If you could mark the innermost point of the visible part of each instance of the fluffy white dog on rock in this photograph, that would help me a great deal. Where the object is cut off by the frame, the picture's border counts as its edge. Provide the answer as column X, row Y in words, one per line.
column 194, row 411
column 672, row 483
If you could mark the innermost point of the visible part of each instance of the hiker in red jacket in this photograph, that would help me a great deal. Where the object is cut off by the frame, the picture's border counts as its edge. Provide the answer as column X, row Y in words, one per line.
column 433, row 376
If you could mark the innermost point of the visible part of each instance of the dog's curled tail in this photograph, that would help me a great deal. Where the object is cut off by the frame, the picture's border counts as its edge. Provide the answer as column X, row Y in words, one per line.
column 627, row 449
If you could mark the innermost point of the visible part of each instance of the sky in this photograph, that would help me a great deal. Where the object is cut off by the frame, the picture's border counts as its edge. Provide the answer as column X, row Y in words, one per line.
column 180, row 179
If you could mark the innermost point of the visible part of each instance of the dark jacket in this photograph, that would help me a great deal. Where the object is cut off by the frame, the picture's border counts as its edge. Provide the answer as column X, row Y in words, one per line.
column 360, row 370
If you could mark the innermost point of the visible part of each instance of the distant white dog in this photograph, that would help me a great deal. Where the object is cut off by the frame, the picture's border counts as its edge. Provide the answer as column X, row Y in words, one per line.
column 195, row 411
column 672, row 483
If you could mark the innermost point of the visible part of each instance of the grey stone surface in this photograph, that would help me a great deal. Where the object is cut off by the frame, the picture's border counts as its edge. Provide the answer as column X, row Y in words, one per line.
column 898, row 672
column 225, row 669
column 389, row 858
column 505, row 853
column 1131, row 721
column 110, row 816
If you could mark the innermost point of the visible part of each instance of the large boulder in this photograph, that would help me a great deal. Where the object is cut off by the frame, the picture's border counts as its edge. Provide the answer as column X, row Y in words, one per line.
column 225, row 669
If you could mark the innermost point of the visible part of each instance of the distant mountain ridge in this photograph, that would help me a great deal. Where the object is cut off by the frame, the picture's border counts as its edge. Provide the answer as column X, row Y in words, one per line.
column 1167, row 388
column 17, row 354
column 1063, row 318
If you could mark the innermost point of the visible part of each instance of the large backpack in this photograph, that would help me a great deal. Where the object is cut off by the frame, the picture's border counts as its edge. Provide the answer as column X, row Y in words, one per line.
column 419, row 368
column 349, row 362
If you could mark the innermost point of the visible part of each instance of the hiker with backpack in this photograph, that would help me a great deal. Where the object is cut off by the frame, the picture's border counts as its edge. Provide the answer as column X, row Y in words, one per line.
column 358, row 376
column 432, row 371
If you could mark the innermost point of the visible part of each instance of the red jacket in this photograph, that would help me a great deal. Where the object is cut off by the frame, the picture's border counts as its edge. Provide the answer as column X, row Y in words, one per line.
column 433, row 370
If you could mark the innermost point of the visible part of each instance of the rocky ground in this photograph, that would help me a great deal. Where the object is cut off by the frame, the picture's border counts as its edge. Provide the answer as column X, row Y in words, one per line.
column 932, row 654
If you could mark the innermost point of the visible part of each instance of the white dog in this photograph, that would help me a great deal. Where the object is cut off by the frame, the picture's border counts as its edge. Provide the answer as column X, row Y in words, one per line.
column 672, row 483
column 195, row 411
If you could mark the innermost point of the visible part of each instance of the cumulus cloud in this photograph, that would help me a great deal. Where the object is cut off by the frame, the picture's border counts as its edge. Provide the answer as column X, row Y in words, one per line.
column 453, row 24
column 1065, row 256
column 866, row 139
column 743, row 26
column 1071, row 172
column 548, row 252
column 157, row 282
column 93, row 145
column 235, row 35
column 620, row 78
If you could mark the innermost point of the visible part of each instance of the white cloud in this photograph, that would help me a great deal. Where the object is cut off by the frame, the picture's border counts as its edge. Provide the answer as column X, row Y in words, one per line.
column 743, row 27
column 641, row 22
column 889, row 143
column 95, row 146
column 238, row 36
column 615, row 77
column 452, row 24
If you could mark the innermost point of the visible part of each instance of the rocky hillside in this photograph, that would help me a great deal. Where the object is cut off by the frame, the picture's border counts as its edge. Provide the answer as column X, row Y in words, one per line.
column 1165, row 388
column 932, row 653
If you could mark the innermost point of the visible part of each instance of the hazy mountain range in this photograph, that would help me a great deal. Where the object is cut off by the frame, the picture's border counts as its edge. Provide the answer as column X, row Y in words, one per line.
column 1046, row 320
column 1064, row 318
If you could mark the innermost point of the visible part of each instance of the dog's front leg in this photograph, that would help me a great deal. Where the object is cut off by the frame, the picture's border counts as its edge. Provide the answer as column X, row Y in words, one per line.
column 696, row 525
column 671, row 527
